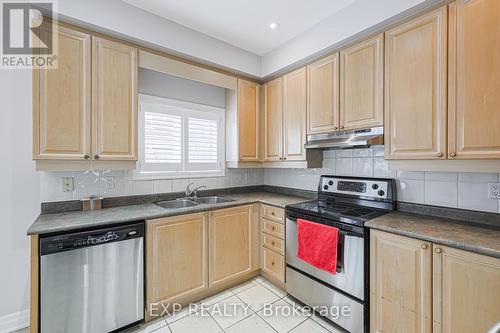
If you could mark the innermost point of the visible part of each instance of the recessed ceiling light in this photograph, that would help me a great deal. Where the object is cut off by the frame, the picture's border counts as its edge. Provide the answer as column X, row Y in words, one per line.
column 273, row 25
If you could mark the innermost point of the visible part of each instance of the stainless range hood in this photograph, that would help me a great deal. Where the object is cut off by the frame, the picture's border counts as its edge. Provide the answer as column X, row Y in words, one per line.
column 346, row 139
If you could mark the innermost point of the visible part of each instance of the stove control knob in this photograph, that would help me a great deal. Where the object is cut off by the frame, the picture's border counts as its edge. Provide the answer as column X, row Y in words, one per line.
column 381, row 193
column 325, row 187
column 330, row 182
column 374, row 186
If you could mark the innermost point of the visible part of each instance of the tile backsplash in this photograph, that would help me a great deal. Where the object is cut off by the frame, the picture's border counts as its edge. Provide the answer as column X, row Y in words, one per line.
column 121, row 183
column 449, row 189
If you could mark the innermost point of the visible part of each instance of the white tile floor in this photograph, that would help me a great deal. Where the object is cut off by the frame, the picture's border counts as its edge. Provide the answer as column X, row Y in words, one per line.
column 241, row 310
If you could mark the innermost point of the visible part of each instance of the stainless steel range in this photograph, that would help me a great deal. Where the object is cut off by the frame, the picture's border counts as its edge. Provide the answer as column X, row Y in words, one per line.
column 345, row 203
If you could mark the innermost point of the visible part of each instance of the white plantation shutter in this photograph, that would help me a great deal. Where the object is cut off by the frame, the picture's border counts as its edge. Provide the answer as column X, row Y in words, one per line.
column 179, row 139
column 202, row 140
column 162, row 138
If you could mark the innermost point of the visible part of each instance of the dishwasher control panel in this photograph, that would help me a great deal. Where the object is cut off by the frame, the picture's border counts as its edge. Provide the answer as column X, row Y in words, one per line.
column 72, row 241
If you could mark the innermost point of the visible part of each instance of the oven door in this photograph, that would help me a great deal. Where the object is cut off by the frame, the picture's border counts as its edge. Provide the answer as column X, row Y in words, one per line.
column 350, row 262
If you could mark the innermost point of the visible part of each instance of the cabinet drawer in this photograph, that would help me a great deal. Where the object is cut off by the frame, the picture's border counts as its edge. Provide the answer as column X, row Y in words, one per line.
column 273, row 213
column 273, row 264
column 273, row 228
column 273, row 243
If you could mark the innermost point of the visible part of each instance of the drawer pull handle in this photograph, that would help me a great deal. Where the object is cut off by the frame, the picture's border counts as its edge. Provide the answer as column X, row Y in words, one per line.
column 272, row 228
column 272, row 243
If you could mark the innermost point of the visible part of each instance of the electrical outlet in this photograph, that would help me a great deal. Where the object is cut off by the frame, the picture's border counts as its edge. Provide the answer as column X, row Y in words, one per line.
column 494, row 190
column 110, row 182
column 68, row 184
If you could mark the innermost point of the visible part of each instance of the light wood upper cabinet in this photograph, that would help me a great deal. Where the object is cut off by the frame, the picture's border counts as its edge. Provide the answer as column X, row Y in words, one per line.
column 294, row 114
column 114, row 96
column 361, row 84
column 273, row 120
column 176, row 258
column 415, row 88
column 474, row 79
column 248, row 120
column 466, row 295
column 400, row 284
column 61, row 100
column 231, row 234
column 323, row 95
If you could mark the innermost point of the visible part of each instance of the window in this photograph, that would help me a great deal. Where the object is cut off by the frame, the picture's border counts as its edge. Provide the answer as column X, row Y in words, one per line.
column 179, row 139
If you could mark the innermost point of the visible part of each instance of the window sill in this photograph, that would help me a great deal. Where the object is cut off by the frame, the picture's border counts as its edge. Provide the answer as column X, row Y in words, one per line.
column 177, row 175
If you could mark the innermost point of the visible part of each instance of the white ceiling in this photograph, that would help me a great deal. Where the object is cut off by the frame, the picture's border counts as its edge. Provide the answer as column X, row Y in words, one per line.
column 245, row 23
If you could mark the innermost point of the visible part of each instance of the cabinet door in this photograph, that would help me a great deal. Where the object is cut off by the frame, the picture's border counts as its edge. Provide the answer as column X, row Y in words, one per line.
column 474, row 79
column 176, row 258
column 323, row 95
column 466, row 295
column 361, row 84
column 294, row 115
column 114, row 96
column 273, row 120
column 230, row 238
column 248, row 120
column 400, row 284
column 415, row 88
column 61, row 100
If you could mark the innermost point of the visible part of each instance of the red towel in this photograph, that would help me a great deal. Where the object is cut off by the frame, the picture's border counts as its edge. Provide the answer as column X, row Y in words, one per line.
column 317, row 244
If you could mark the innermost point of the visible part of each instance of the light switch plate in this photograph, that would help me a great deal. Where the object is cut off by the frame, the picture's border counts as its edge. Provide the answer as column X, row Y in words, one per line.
column 494, row 190
column 68, row 184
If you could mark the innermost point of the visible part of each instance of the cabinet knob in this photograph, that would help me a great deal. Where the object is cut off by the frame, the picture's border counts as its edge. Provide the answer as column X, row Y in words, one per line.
column 439, row 154
column 272, row 263
column 424, row 246
column 272, row 213
column 341, row 126
column 438, row 250
column 86, row 157
column 272, row 228
column 96, row 157
column 272, row 243
column 453, row 154
column 335, row 128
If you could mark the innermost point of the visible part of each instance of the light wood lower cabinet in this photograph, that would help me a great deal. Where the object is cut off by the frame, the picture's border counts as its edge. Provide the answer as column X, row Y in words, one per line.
column 273, row 244
column 466, row 291
column 417, row 286
column 231, row 237
column 176, row 258
column 400, row 284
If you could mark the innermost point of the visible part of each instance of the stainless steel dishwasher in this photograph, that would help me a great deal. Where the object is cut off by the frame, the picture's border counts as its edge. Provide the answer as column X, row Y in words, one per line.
column 92, row 281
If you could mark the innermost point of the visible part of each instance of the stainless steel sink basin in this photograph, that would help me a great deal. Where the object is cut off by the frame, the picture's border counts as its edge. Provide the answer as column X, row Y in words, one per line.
column 179, row 203
column 212, row 199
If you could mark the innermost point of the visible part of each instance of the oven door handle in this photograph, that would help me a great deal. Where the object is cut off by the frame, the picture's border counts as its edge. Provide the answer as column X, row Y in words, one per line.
column 341, row 231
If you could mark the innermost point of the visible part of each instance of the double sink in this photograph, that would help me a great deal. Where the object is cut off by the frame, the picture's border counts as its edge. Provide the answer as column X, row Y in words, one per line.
column 189, row 202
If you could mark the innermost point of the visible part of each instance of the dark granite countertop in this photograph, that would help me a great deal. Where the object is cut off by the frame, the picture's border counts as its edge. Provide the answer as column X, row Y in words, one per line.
column 461, row 235
column 63, row 222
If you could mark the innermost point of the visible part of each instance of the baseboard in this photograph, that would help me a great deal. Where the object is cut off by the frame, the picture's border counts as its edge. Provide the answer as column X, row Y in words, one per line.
column 14, row 321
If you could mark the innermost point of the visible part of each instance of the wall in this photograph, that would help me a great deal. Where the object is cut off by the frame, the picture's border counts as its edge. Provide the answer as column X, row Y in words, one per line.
column 121, row 19
column 169, row 86
column 360, row 15
column 19, row 196
column 450, row 189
